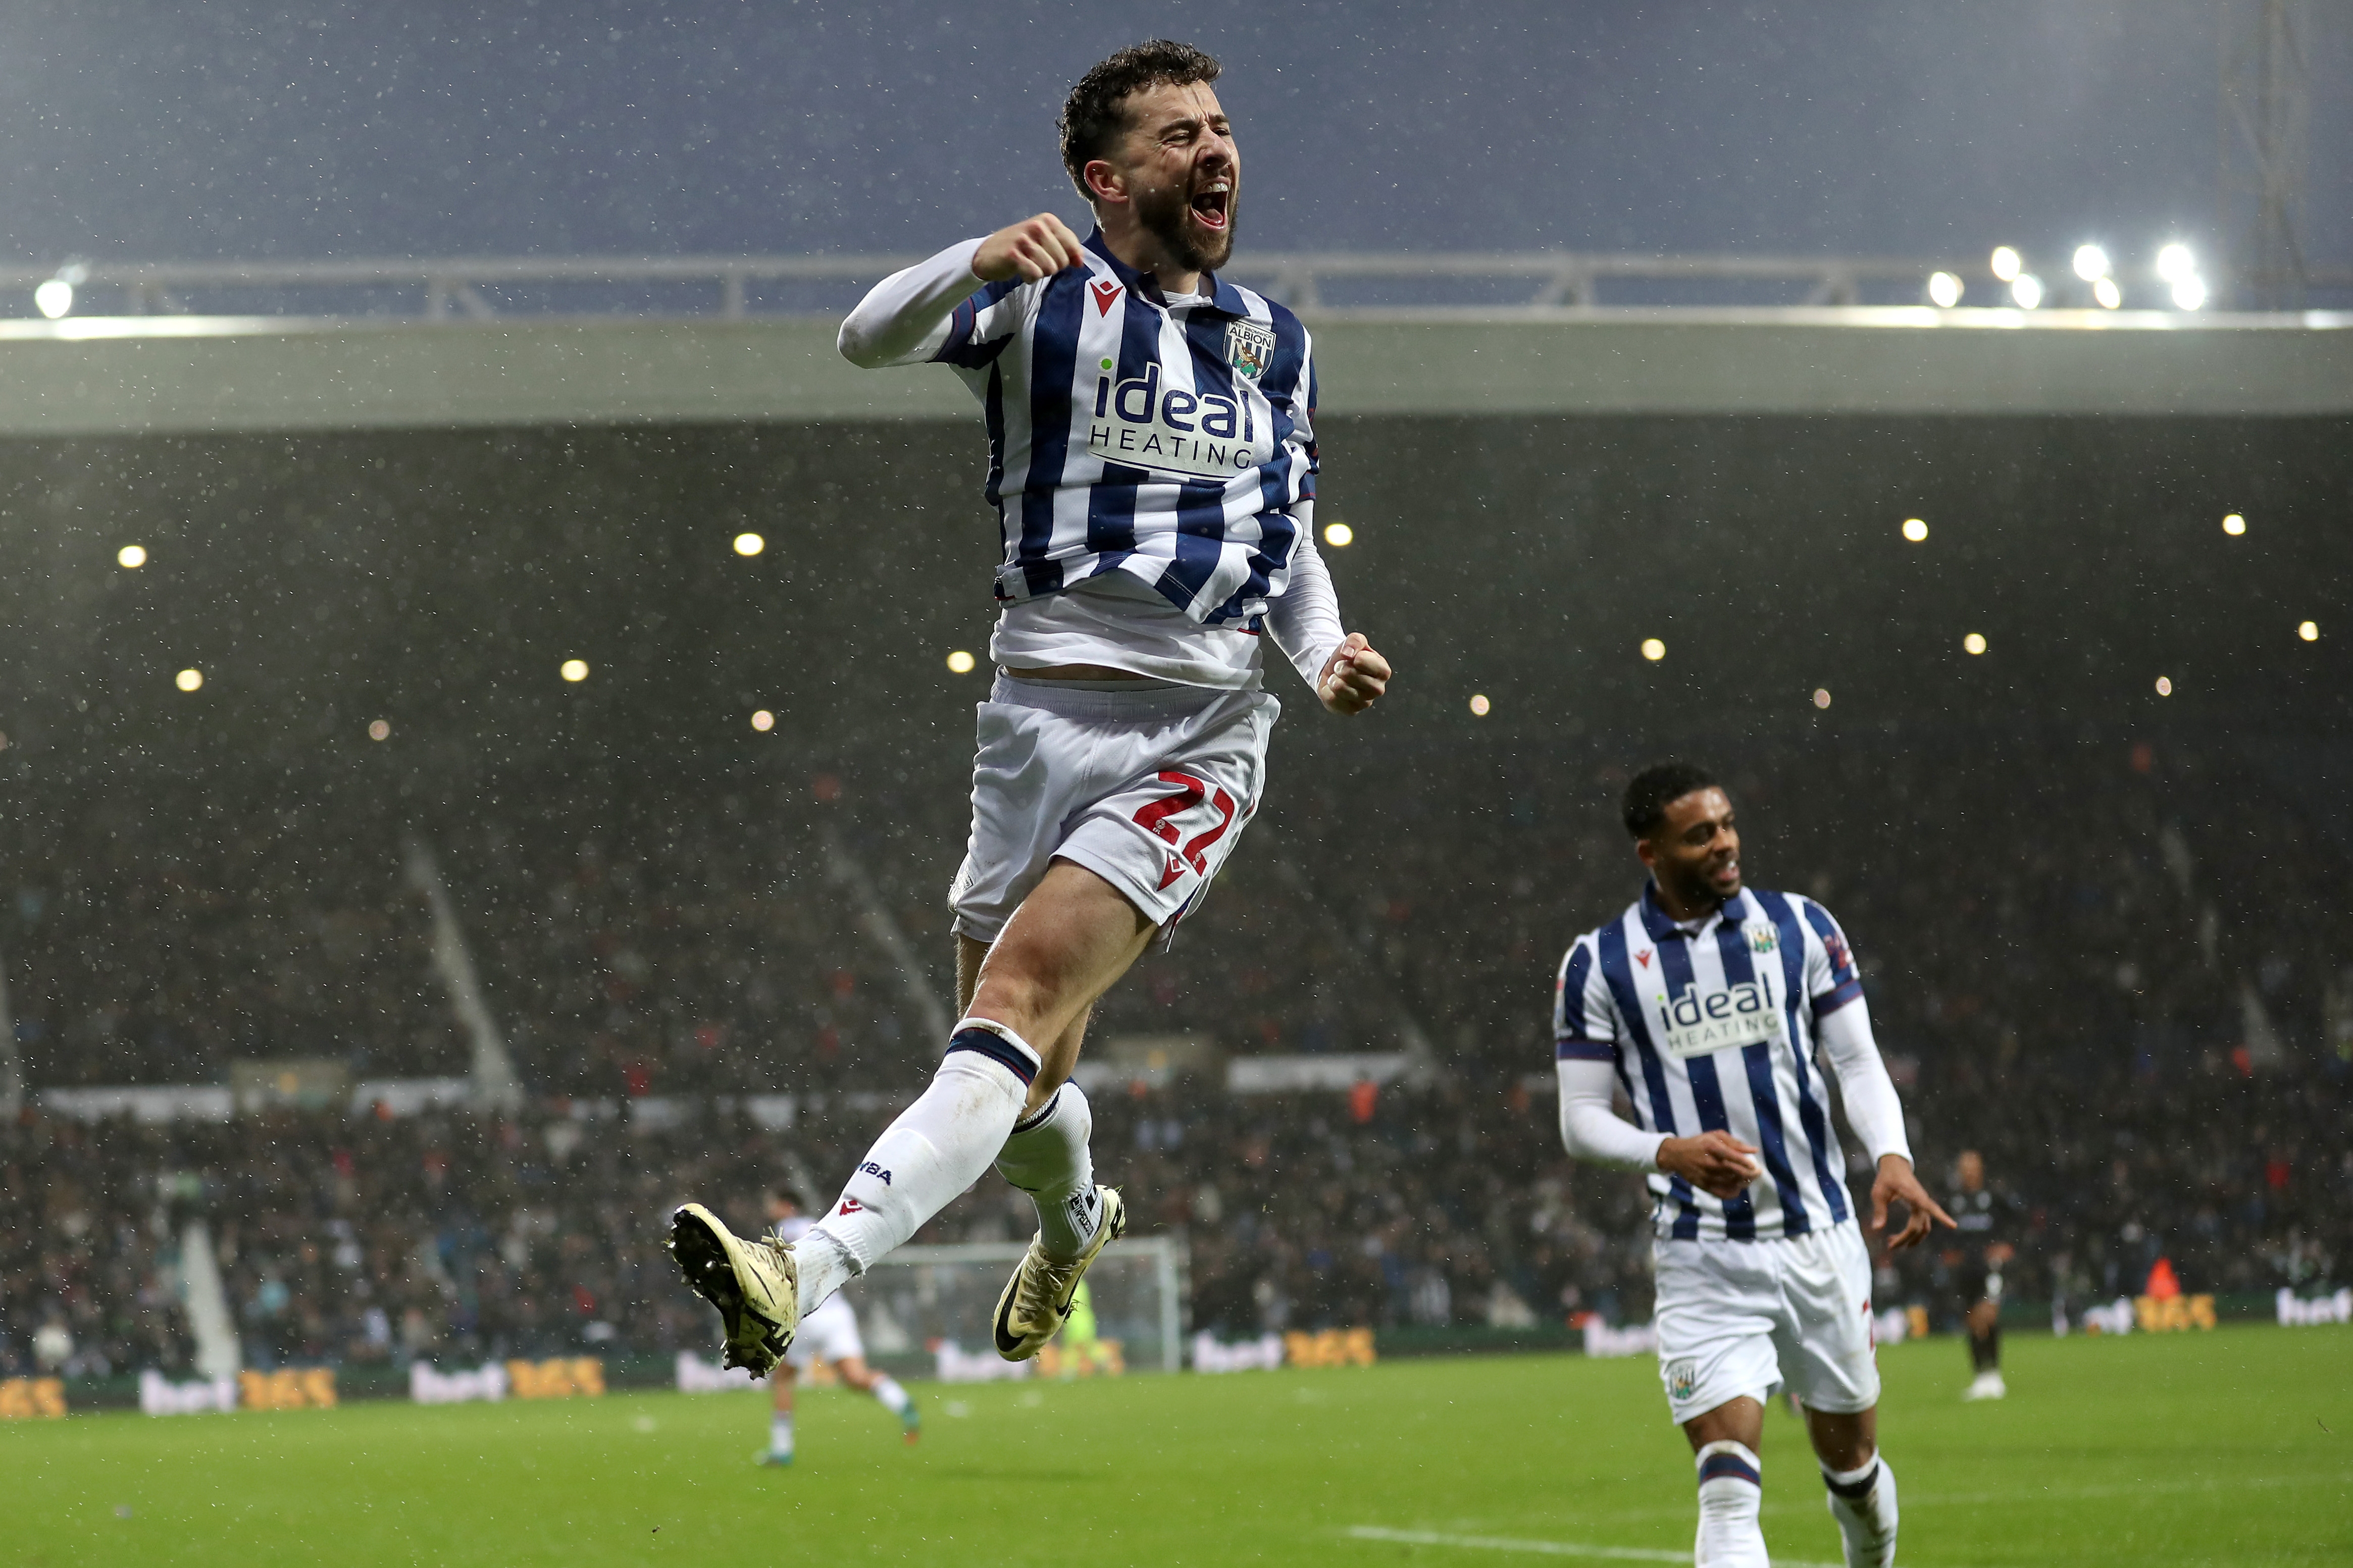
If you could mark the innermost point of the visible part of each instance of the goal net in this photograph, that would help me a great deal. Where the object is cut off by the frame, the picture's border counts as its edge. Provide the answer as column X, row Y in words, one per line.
column 924, row 1312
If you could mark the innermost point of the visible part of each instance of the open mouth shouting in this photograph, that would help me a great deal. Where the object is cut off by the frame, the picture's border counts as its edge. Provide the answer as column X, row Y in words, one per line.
column 1213, row 203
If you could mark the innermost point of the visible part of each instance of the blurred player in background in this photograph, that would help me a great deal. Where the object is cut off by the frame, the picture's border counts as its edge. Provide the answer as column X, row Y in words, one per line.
column 1706, row 1002
column 1152, row 466
column 829, row 1335
column 1976, row 1217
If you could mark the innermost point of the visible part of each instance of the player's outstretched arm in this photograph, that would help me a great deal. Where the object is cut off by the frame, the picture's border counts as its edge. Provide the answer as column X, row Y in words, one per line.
column 1034, row 248
column 1896, row 1184
column 1354, row 678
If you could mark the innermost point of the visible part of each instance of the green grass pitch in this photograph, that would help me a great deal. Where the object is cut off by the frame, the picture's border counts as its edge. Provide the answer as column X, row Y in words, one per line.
column 2231, row 1447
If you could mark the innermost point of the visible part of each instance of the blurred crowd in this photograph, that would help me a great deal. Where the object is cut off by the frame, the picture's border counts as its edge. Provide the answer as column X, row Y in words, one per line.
column 2113, row 971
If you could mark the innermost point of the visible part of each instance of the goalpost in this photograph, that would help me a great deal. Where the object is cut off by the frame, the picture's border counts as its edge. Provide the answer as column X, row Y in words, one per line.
column 925, row 1311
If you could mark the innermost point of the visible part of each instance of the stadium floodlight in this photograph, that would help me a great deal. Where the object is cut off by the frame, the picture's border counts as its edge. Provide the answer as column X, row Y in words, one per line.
column 54, row 298
column 2175, row 262
column 1944, row 290
column 1974, row 643
column 2007, row 265
column 2308, row 630
column 1480, row 706
column 2164, row 686
column 1821, row 696
column 2027, row 290
column 2235, row 525
column 190, row 679
column 574, row 670
column 131, row 556
column 2091, row 263
column 960, row 662
column 2106, row 291
column 764, row 721
column 378, row 730
column 2190, row 293
column 1339, row 535
column 1653, row 649
column 749, row 544
column 1915, row 530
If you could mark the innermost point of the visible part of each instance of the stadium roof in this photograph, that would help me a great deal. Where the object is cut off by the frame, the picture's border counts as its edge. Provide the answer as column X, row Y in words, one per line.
column 195, row 374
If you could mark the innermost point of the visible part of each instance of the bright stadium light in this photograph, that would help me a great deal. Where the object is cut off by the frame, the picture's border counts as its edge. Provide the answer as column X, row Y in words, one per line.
column 2235, row 525
column 1915, row 530
column 2091, row 263
column 54, row 298
column 2027, row 290
column 1339, row 535
column 1944, row 290
column 764, row 721
column 131, row 557
column 2175, row 262
column 749, row 544
column 2308, row 630
column 1973, row 643
column 379, row 730
column 2164, row 686
column 1479, row 705
column 2106, row 291
column 1821, row 696
column 2006, row 264
column 2190, row 293
column 189, row 680
column 1653, row 649
column 574, row 670
column 960, row 663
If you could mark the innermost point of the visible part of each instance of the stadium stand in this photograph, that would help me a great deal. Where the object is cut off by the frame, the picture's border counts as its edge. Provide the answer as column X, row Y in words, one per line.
column 2137, row 1011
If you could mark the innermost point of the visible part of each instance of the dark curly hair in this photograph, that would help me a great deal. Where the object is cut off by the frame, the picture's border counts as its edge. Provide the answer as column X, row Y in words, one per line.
column 1095, row 114
column 1654, row 789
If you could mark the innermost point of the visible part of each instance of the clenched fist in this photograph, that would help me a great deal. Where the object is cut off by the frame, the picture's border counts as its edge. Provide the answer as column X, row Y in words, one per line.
column 1033, row 248
column 1352, row 677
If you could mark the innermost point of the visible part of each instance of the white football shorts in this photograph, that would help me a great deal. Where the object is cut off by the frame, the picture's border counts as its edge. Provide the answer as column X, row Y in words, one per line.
column 1748, row 1317
column 1147, row 789
column 829, row 1334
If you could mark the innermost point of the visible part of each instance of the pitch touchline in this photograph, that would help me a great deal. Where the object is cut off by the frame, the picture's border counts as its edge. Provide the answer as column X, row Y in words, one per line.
column 1539, row 1548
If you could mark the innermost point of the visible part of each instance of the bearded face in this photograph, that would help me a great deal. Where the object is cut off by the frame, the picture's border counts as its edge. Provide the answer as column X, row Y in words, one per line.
column 1194, row 220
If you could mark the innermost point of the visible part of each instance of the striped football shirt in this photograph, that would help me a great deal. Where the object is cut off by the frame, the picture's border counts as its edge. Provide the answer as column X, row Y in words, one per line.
column 1712, row 1028
column 1130, row 434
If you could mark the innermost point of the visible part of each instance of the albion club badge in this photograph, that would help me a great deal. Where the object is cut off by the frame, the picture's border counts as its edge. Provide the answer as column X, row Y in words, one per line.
column 1249, row 348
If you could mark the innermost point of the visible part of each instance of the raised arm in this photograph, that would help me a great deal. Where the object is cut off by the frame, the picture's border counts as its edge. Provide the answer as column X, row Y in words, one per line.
column 905, row 319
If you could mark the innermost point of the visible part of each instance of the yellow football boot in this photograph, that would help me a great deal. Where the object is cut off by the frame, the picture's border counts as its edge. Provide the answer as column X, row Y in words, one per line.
column 756, row 1285
column 1036, row 1300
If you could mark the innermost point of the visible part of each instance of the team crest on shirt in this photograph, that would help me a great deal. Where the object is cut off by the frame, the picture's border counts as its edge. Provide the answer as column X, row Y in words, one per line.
column 1762, row 936
column 1249, row 348
column 1683, row 1379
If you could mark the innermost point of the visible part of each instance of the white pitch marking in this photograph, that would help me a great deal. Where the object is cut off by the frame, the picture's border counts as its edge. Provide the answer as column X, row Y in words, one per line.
column 1541, row 1547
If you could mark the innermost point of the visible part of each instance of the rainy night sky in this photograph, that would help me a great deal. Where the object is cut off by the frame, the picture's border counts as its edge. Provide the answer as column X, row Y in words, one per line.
column 1908, row 126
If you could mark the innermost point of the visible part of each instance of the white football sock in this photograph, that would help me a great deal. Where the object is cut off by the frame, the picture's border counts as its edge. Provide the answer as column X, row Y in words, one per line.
column 894, row 1397
column 925, row 1161
column 1047, row 1157
column 780, row 1435
column 1730, row 1498
column 1863, row 1503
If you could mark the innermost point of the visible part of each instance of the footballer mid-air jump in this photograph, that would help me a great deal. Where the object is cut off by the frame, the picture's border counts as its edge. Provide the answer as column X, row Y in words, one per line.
column 1152, row 464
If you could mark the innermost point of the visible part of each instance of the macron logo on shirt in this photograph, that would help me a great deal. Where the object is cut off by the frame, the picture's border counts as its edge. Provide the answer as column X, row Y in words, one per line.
column 1106, row 293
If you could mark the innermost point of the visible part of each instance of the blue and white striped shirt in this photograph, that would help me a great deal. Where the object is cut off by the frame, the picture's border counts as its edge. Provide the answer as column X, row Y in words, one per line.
column 1712, row 1029
column 1126, row 433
